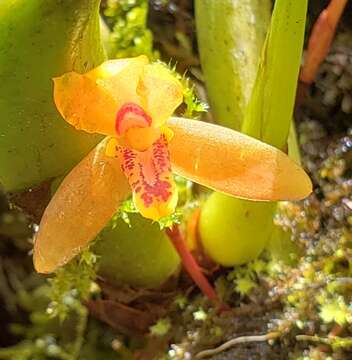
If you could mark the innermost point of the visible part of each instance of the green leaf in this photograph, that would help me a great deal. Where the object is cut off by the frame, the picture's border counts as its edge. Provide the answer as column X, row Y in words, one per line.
column 269, row 113
column 268, row 118
column 230, row 37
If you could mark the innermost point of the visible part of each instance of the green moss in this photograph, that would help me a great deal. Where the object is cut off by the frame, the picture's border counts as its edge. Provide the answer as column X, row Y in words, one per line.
column 130, row 35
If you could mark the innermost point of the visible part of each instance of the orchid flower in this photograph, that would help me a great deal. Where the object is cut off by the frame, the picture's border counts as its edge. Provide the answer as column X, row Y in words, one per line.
column 131, row 102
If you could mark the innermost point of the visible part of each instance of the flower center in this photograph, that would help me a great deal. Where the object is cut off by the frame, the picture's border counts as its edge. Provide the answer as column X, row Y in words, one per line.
column 131, row 115
column 133, row 127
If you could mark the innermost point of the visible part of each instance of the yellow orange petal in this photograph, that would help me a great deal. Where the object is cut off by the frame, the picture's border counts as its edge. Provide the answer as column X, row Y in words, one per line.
column 149, row 174
column 120, row 78
column 84, row 104
column 111, row 144
column 233, row 163
column 81, row 207
column 160, row 91
column 90, row 101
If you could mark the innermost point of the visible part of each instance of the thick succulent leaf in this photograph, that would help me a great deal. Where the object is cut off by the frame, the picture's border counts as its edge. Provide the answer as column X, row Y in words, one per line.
column 269, row 113
column 81, row 207
column 233, row 163
column 230, row 36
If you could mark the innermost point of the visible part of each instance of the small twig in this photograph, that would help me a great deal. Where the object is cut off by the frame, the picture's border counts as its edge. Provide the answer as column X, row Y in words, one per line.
column 239, row 340
column 191, row 265
column 320, row 39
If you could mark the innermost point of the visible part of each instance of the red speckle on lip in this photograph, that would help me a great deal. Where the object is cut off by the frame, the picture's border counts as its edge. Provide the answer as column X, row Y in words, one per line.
column 148, row 172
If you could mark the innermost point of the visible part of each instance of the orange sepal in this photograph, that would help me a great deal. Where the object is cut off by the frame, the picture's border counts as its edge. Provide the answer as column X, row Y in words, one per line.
column 84, row 203
column 120, row 78
column 230, row 162
column 161, row 93
column 91, row 101
column 84, row 104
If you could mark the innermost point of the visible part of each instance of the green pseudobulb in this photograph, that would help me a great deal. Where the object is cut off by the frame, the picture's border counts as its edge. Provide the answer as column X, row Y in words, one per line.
column 41, row 39
column 235, row 231
column 230, row 36
column 140, row 255
column 230, row 236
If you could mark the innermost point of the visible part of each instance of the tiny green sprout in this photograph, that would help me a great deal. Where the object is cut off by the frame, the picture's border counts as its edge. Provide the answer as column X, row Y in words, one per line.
column 293, row 299
column 300, row 324
column 170, row 220
column 125, row 208
column 245, row 285
column 161, row 328
column 216, row 331
column 200, row 315
column 194, row 107
column 335, row 311
column 245, row 277
column 258, row 266
column 181, row 301
column 184, row 188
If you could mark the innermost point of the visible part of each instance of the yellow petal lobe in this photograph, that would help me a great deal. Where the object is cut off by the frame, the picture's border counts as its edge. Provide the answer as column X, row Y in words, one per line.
column 84, row 104
column 90, row 101
column 120, row 78
column 160, row 91
column 84, row 203
column 233, row 163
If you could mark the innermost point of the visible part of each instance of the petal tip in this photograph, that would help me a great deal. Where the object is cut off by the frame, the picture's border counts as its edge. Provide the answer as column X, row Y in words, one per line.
column 304, row 185
column 40, row 264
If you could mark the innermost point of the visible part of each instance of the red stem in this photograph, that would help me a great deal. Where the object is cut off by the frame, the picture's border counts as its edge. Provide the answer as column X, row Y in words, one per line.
column 191, row 265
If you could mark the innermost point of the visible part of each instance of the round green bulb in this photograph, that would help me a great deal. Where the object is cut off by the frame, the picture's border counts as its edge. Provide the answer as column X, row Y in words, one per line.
column 141, row 255
column 227, row 230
